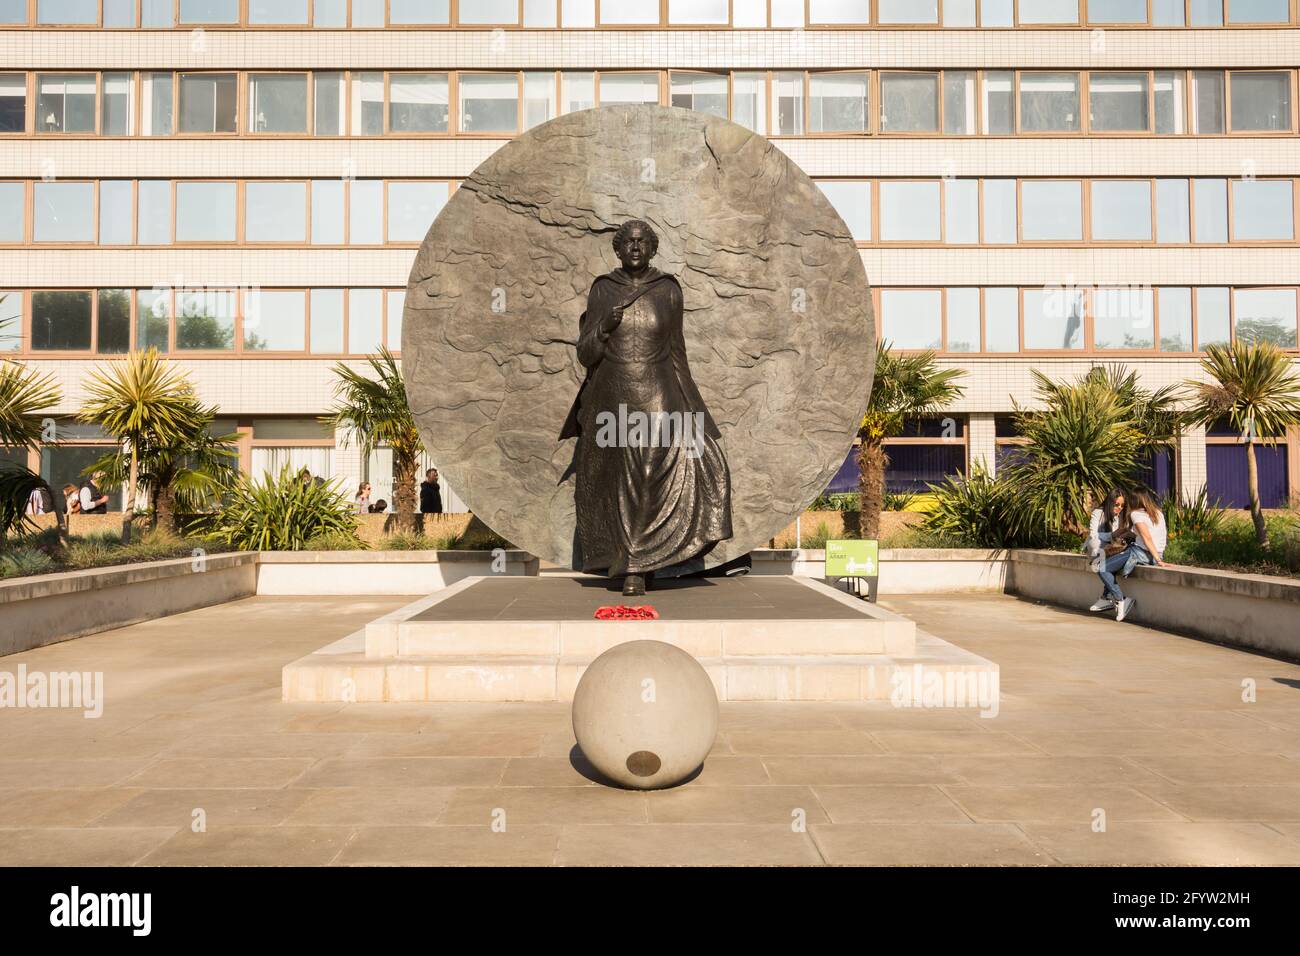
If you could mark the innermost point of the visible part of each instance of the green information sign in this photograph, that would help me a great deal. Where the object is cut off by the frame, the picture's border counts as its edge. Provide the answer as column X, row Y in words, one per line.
column 852, row 559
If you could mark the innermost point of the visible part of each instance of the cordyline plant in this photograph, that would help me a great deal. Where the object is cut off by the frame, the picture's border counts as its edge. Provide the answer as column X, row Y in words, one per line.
column 904, row 386
column 1256, row 389
column 281, row 513
column 371, row 410
column 26, row 400
column 138, row 400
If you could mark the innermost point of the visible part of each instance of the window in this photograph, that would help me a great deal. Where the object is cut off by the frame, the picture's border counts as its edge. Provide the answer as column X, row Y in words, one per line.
column 367, row 104
column 699, row 91
column 117, row 106
column 327, row 215
column 963, row 320
column 628, row 88
column 839, row 11
column 208, row 102
column 577, row 91
column 1167, row 13
column 415, row 12
column 1171, row 105
column 1208, row 114
column 365, row 320
column 155, row 212
column 1210, row 202
column 60, row 321
column 275, row 212
column 1258, row 11
column 1173, row 215
column 152, row 318
column 959, row 13
column 65, row 103
column 1049, row 102
column 1051, row 210
column 852, row 200
column 959, row 102
column 749, row 101
column 1053, row 319
column 11, row 320
column 1175, row 305
column 1212, row 322
column 1118, row 102
column 209, row 11
column 912, row 318
column 751, row 13
column 157, row 13
column 1206, row 13
column 697, row 11
column 996, row 13
column 578, row 13
column 329, row 103
column 67, row 11
column 13, row 211
column 13, row 11
column 156, row 104
column 365, row 212
column 787, row 94
column 999, row 102
column 277, row 11
column 275, row 321
column 787, row 13
column 63, row 212
column 1265, row 315
column 909, row 212
column 327, row 321
column 205, row 212
column 1262, row 210
column 396, row 301
column 961, row 211
column 367, row 13
column 1049, row 11
column 417, row 102
column 999, row 211
column 412, row 207
column 113, row 321
column 277, row 102
column 1002, row 320
column 1123, row 318
column 489, row 102
column 539, row 99
column 837, row 102
column 909, row 102
column 907, row 11
column 620, row 12
column 13, row 103
column 489, row 12
column 1261, row 102
column 540, row 13
column 1117, row 11
column 1121, row 210
column 205, row 319
column 115, row 212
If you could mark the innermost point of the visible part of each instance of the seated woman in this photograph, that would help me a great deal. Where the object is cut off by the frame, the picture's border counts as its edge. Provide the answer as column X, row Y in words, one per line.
column 1150, row 537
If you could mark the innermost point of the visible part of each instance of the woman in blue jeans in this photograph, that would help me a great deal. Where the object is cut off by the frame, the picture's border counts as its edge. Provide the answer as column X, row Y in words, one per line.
column 1149, row 537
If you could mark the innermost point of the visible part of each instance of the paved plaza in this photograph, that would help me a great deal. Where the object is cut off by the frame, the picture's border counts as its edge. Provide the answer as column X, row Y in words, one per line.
column 1141, row 735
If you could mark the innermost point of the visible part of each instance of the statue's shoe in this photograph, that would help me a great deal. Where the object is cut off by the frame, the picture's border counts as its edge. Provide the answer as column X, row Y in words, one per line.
column 633, row 585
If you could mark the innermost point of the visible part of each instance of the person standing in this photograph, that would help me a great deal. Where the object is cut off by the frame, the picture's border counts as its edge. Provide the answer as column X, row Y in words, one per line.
column 430, row 494
column 93, row 501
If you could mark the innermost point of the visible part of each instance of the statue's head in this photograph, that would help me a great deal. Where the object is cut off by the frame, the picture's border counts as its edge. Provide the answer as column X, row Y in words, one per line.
column 635, row 244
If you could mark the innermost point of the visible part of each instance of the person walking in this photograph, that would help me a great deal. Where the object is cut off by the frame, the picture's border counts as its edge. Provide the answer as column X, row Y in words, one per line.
column 430, row 494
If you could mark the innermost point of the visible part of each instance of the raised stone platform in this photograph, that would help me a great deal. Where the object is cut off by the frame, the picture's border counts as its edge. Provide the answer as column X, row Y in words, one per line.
column 502, row 638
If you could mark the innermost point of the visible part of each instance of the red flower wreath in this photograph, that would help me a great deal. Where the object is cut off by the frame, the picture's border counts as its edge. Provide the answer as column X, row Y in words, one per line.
column 622, row 612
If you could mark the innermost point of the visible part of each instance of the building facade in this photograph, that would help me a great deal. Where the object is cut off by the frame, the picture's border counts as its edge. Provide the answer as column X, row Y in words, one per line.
column 1033, row 184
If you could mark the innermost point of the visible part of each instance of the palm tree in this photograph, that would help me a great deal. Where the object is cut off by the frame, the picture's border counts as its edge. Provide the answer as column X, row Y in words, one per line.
column 26, row 399
column 905, row 385
column 1255, row 387
column 140, row 400
column 185, row 470
column 373, row 412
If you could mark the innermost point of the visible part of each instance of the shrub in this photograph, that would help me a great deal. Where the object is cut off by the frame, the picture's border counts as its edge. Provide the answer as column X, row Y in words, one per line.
column 835, row 502
column 898, row 501
column 281, row 513
column 20, row 562
column 1196, row 519
column 980, row 510
column 334, row 541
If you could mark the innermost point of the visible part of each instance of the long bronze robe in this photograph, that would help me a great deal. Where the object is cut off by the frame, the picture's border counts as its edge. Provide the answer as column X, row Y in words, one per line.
column 646, row 503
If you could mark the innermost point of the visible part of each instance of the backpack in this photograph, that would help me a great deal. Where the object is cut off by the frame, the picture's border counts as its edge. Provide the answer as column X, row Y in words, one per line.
column 47, row 500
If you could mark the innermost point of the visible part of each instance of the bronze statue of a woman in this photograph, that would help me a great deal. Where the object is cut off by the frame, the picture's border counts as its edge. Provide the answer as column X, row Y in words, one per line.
column 653, row 490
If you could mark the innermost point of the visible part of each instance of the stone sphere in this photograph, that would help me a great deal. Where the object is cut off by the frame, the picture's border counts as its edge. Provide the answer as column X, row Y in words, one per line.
column 778, row 318
column 645, row 714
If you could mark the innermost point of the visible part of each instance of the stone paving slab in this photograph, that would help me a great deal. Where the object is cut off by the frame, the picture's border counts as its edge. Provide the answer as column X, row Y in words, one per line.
column 1149, row 727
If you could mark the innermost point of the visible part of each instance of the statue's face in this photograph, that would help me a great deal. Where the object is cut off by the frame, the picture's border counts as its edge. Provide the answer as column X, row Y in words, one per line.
column 634, row 250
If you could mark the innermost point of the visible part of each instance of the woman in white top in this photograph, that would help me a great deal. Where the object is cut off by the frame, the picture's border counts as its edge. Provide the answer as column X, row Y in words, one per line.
column 1148, row 547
